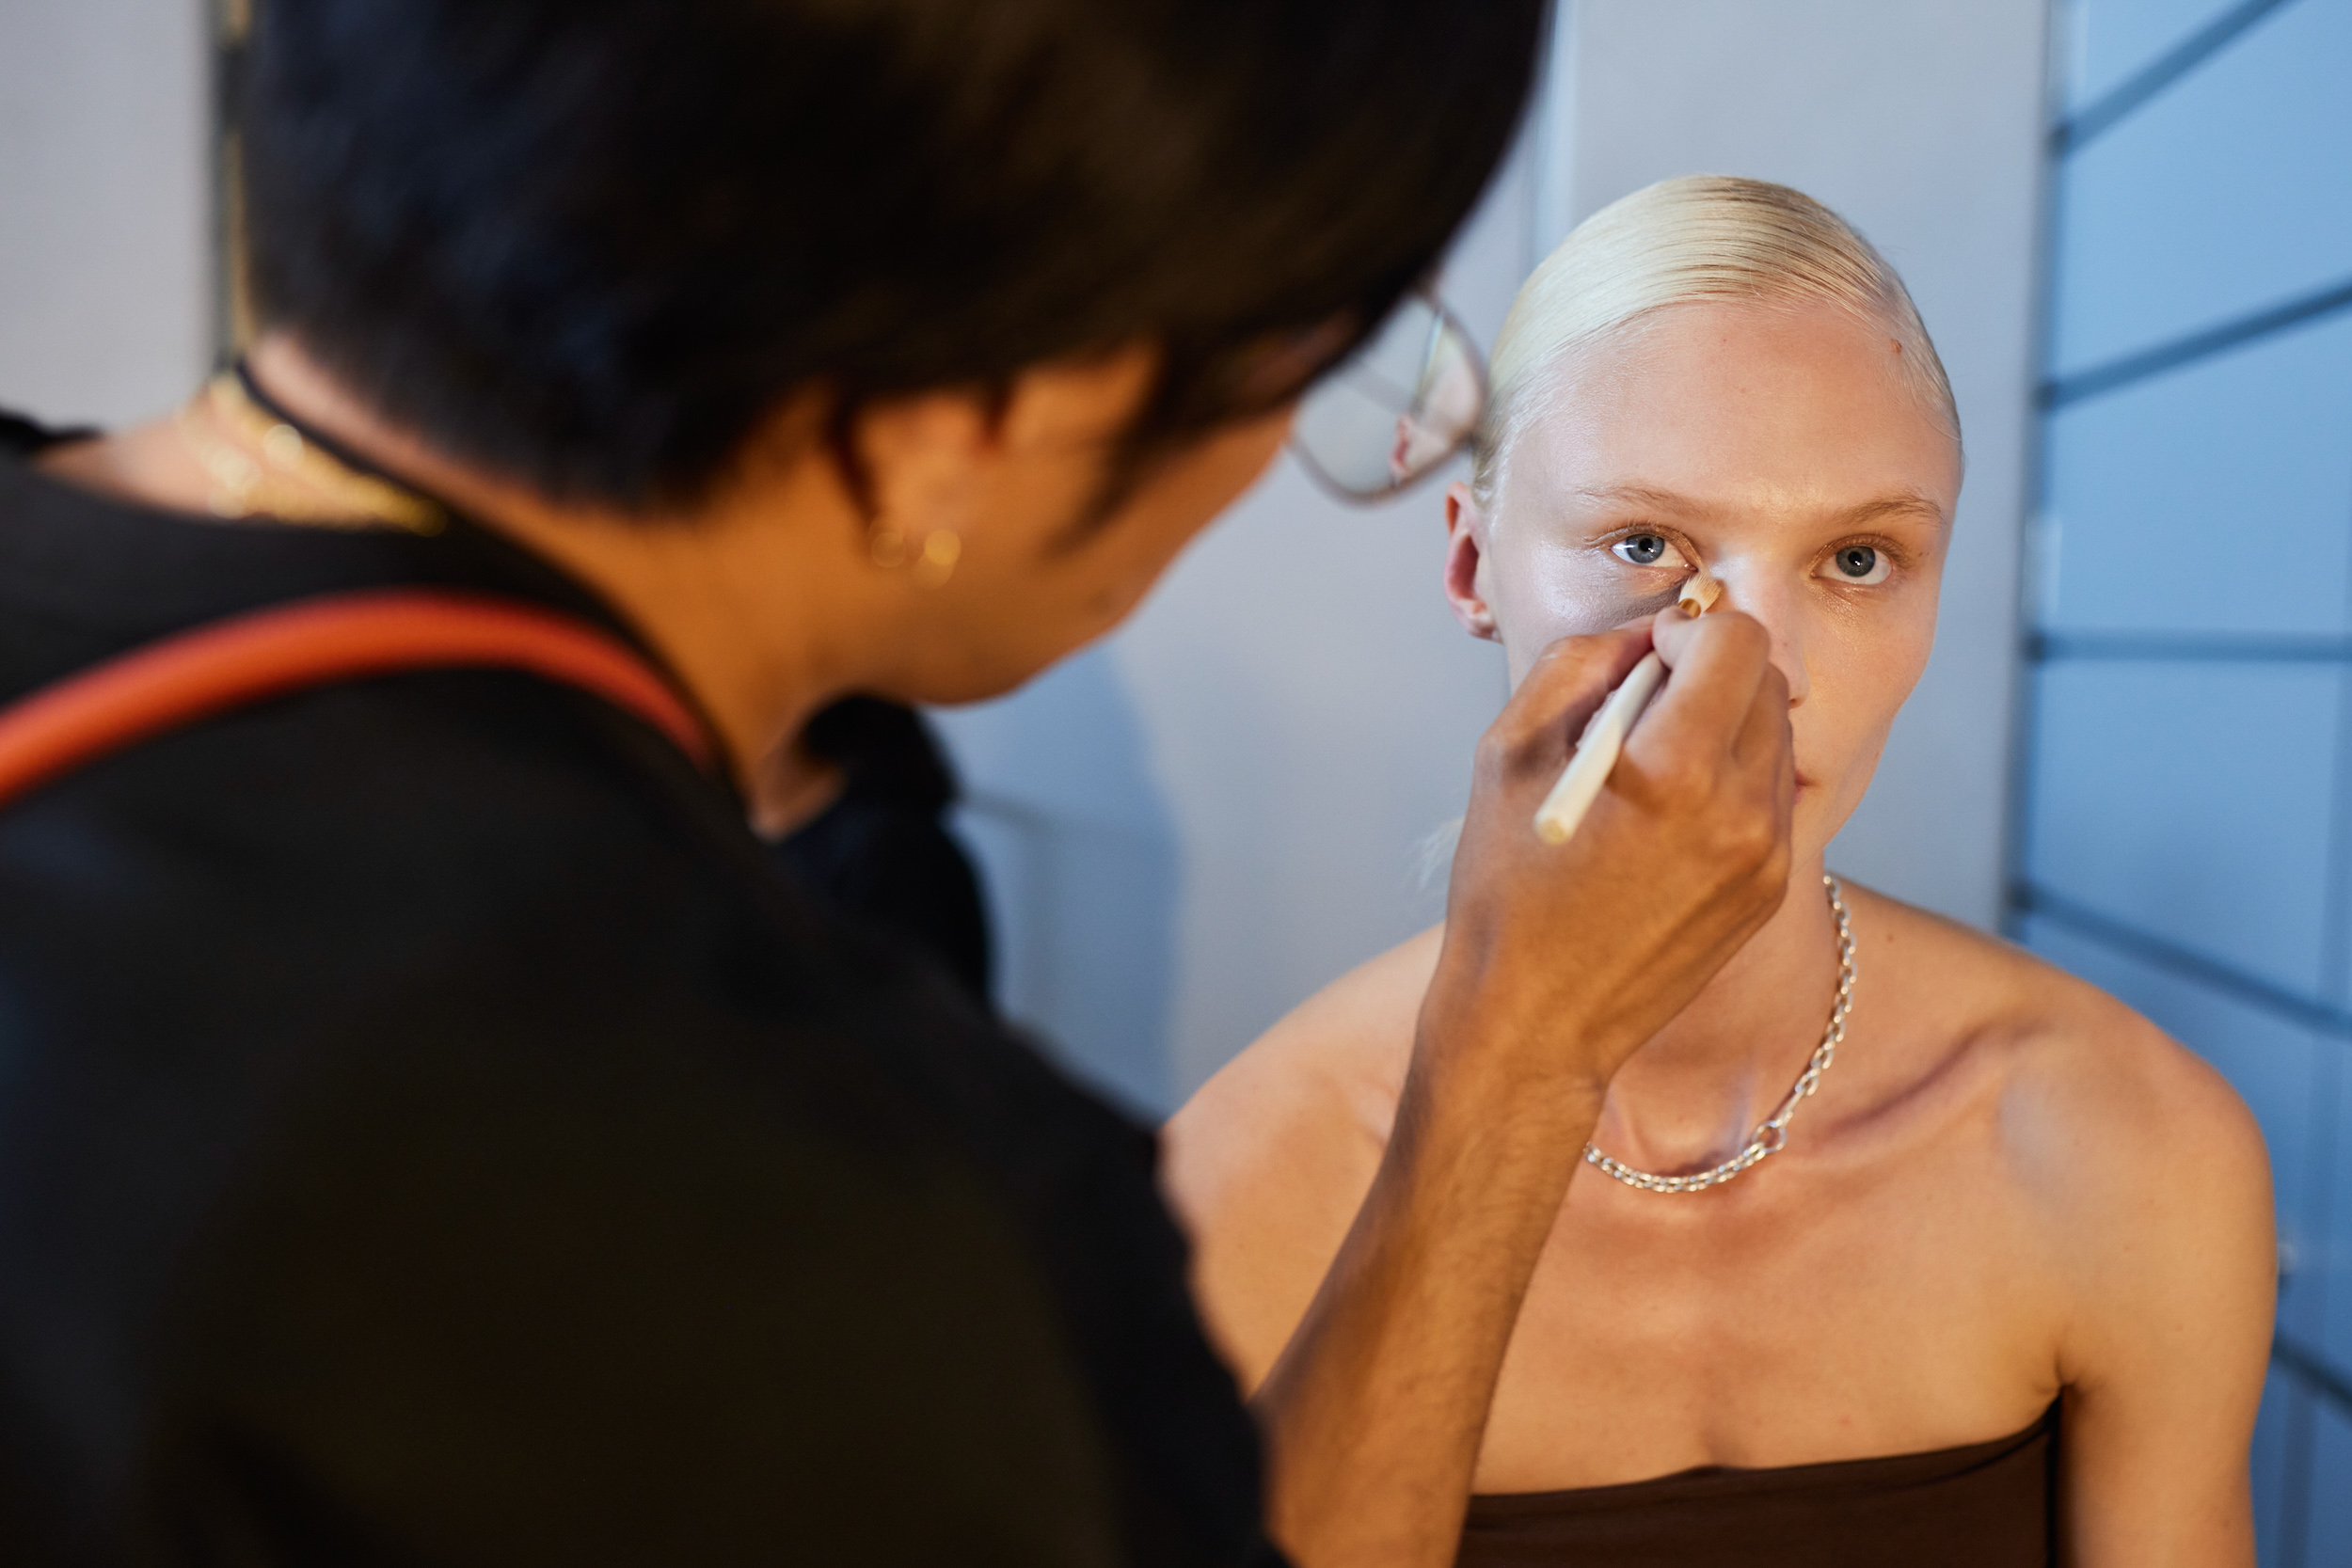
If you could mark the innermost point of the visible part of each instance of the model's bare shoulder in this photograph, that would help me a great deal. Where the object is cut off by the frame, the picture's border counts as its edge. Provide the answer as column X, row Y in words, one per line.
column 2141, row 1193
column 2142, row 1167
column 2154, row 1177
column 2114, row 1076
column 1267, row 1164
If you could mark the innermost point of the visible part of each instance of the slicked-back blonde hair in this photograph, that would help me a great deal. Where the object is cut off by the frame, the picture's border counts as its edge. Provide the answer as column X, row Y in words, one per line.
column 1701, row 237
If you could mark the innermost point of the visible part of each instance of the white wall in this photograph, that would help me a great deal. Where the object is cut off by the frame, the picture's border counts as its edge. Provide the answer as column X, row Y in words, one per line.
column 1920, row 121
column 1192, row 826
column 106, row 207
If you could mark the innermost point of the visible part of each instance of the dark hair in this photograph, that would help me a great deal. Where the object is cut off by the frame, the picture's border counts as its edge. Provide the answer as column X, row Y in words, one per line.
column 592, row 244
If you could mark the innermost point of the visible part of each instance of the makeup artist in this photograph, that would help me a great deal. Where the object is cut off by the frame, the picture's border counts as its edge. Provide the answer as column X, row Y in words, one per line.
column 432, row 1131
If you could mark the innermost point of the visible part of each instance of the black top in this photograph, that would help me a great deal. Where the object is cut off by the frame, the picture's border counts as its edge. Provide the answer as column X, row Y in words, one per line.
column 880, row 853
column 431, row 1131
column 1990, row 1505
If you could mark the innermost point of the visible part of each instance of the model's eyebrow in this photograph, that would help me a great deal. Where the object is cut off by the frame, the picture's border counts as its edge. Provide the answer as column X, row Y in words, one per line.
column 1642, row 495
column 1895, row 505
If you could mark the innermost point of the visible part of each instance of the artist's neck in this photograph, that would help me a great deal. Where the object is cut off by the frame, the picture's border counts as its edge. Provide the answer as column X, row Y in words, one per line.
column 744, row 598
column 1692, row 1095
column 733, row 595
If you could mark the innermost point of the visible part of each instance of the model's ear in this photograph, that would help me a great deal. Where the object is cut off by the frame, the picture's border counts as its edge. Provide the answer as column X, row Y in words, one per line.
column 1466, row 576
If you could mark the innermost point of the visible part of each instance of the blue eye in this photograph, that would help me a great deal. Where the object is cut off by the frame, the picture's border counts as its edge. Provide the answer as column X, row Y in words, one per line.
column 1642, row 550
column 1859, row 564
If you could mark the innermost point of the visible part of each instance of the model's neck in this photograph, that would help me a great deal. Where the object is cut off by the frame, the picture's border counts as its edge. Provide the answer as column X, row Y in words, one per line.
column 1694, row 1093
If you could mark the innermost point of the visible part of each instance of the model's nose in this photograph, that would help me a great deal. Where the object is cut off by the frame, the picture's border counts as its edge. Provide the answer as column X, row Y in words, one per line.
column 1780, row 608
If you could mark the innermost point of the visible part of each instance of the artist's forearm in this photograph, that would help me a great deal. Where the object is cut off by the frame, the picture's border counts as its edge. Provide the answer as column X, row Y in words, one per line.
column 1559, row 961
column 1374, row 1412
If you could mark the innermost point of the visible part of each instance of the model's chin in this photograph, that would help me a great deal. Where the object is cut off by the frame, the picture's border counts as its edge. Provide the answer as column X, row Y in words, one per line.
column 1810, row 808
column 1818, row 815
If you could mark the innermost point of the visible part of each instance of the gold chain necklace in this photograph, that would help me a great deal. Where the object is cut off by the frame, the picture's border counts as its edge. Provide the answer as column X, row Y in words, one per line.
column 1772, row 1135
column 272, row 470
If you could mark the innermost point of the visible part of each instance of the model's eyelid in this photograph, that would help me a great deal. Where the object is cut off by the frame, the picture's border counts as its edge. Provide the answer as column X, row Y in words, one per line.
column 1879, row 542
column 1676, row 553
column 1884, row 562
column 1888, row 550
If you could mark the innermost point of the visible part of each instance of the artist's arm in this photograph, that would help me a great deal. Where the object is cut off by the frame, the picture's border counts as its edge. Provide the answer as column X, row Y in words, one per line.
column 2163, row 1356
column 1555, row 965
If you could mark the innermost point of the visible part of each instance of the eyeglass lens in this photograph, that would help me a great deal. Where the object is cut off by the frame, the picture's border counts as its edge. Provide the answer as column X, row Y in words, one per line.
column 1405, row 402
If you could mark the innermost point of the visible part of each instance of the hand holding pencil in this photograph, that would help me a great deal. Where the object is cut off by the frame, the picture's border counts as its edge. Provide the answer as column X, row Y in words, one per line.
column 1603, row 741
column 1559, row 959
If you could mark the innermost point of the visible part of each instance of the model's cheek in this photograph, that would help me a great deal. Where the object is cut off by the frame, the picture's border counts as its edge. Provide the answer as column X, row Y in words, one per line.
column 1841, row 732
column 1833, row 775
column 1549, row 590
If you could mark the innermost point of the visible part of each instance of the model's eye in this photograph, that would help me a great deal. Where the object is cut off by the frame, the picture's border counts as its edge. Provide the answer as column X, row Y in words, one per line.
column 1859, row 564
column 1642, row 550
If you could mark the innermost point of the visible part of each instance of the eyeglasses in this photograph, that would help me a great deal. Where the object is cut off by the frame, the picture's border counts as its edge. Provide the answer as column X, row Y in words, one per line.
column 1392, row 414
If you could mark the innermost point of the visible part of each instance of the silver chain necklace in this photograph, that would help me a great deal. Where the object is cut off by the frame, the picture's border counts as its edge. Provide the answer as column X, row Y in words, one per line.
column 1772, row 1136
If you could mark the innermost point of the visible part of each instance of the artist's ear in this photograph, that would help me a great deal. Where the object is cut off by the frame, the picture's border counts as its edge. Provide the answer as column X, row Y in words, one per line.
column 1467, row 575
column 941, row 459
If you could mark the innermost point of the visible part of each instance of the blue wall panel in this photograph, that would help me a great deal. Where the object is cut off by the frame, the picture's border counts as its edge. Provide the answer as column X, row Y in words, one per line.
column 2182, row 778
column 2328, row 1534
column 2212, row 498
column 2191, row 801
column 2332, row 1257
column 2110, row 42
column 2229, row 193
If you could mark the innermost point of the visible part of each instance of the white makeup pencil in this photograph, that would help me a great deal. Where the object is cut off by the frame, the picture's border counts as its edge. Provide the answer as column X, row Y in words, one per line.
column 1599, row 747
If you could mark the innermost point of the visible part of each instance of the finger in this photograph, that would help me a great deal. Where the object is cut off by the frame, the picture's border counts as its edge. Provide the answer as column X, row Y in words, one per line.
column 1568, row 681
column 1674, row 632
column 1719, row 660
column 1671, row 632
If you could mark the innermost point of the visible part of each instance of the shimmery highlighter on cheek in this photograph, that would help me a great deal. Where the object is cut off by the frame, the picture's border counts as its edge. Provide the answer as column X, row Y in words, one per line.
column 1603, row 741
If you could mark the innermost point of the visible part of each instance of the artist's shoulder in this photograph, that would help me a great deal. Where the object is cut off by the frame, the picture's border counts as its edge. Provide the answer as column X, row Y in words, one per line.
column 2098, row 1110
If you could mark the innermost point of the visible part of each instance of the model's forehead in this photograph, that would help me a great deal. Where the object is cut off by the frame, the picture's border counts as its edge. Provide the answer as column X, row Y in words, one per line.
column 1739, row 404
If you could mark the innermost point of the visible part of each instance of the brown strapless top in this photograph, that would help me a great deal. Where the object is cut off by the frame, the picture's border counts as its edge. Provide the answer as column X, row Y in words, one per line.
column 1992, row 1505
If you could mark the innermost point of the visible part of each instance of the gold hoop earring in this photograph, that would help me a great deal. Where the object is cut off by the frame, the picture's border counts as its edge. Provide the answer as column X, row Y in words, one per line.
column 934, row 564
column 886, row 546
column 941, row 549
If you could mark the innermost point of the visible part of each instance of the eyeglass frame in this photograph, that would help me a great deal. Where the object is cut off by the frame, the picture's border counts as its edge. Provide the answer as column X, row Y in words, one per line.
column 1443, row 320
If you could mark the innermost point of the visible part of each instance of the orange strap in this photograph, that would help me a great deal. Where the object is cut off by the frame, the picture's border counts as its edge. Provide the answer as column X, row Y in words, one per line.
column 341, row 637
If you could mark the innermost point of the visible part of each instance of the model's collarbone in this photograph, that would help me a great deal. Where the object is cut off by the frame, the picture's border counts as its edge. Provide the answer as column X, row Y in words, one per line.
column 1843, row 1307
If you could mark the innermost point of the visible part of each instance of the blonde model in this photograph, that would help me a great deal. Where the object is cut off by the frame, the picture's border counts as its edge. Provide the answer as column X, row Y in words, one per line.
column 1999, row 1288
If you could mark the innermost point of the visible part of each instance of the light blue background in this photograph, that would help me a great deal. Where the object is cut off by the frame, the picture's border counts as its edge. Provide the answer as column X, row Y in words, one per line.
column 2188, row 781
